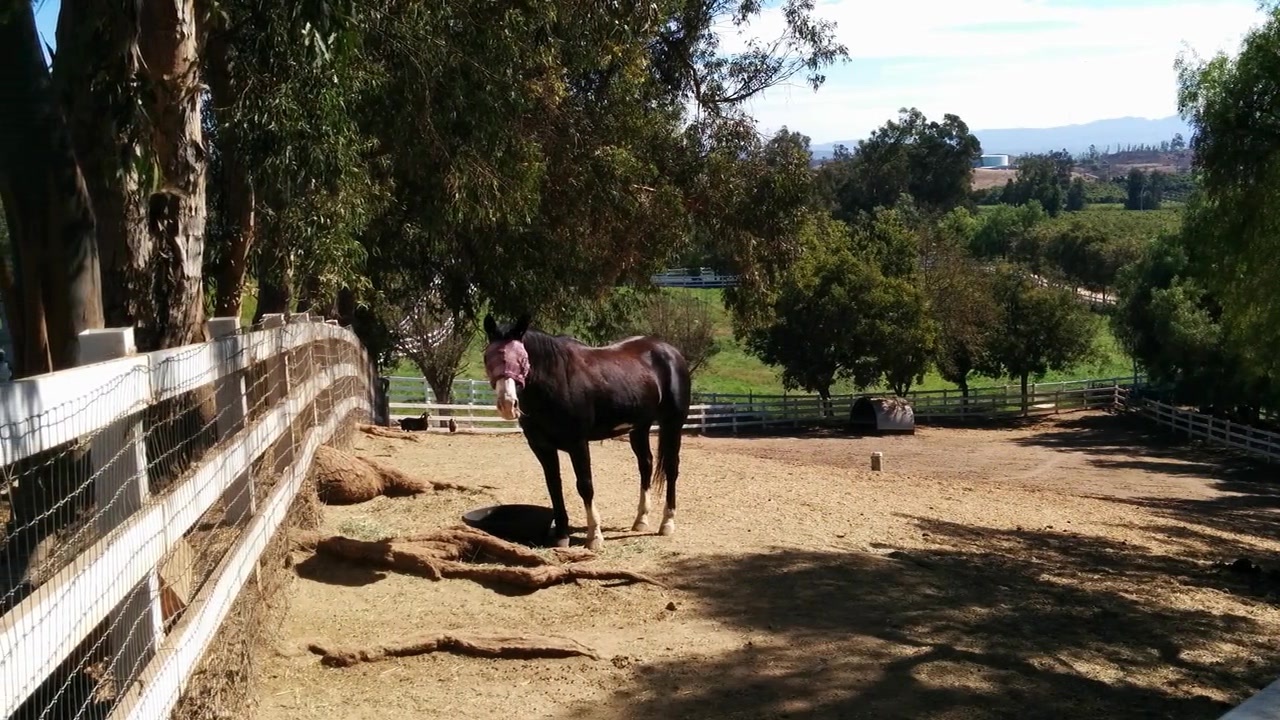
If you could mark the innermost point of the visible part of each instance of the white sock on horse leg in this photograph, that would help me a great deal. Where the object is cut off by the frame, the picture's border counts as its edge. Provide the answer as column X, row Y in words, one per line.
column 595, row 537
column 642, row 513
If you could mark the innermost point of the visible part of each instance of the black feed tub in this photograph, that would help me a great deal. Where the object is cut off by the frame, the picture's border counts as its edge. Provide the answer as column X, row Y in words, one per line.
column 524, row 524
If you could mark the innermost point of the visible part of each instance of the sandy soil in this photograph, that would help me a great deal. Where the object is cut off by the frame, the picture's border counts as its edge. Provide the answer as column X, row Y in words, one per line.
column 1060, row 570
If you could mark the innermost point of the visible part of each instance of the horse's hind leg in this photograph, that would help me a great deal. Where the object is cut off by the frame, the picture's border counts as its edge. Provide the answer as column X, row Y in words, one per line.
column 644, row 458
column 669, row 439
column 581, row 458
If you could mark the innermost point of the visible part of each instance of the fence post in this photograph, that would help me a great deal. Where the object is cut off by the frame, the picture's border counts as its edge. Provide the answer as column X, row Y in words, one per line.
column 302, row 368
column 233, row 409
column 278, row 385
column 119, row 457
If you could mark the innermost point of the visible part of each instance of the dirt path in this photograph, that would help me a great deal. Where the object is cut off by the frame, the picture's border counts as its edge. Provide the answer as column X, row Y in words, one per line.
column 1058, row 571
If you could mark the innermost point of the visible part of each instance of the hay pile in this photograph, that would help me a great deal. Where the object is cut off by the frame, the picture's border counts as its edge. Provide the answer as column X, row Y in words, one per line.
column 345, row 479
column 460, row 552
column 470, row 554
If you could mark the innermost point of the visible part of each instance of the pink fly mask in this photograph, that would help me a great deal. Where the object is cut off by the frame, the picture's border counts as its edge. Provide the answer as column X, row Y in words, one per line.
column 506, row 356
column 507, row 359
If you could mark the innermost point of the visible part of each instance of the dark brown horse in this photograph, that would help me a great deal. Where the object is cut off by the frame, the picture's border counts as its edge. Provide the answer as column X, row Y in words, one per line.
column 566, row 394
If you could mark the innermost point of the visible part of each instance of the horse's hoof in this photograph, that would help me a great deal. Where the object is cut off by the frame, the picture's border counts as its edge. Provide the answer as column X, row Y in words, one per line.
column 668, row 528
column 640, row 526
column 594, row 544
column 560, row 542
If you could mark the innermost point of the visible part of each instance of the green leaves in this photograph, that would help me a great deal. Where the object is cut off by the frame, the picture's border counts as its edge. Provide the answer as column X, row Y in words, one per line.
column 846, row 310
column 929, row 160
column 1233, row 106
column 1041, row 328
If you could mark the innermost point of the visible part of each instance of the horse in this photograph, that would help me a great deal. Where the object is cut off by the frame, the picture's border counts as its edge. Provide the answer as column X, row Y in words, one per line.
column 565, row 394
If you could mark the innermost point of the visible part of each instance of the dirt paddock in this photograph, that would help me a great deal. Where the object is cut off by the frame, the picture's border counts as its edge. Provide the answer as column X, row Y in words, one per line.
column 1061, row 570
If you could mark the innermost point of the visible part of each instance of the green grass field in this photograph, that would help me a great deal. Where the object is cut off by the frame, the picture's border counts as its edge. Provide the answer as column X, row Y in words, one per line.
column 734, row 370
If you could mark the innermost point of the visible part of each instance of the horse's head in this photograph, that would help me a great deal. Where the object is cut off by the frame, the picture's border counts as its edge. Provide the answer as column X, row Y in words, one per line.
column 506, row 363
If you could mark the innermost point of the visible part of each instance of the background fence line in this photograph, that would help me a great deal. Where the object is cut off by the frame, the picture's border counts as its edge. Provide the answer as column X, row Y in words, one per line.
column 170, row 473
column 473, row 405
column 473, row 409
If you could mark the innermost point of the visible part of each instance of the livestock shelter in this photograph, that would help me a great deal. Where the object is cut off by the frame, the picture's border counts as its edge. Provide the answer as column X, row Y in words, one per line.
column 882, row 416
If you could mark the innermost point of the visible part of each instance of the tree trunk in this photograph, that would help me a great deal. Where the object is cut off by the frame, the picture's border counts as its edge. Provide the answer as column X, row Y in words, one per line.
column 97, row 64
column 345, row 307
column 1024, row 393
column 824, row 395
column 169, row 43
column 275, row 276
column 443, row 391
column 56, row 290
column 963, row 384
column 54, row 293
column 240, row 195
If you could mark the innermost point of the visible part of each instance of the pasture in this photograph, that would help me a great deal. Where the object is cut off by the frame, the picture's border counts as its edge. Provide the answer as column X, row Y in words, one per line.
column 734, row 370
column 1058, row 569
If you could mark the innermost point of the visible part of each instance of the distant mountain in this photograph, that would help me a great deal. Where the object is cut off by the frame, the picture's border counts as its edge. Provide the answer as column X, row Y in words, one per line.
column 1116, row 132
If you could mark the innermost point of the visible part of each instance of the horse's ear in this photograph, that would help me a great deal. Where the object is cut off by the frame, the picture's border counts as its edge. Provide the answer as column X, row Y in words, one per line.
column 490, row 327
column 520, row 328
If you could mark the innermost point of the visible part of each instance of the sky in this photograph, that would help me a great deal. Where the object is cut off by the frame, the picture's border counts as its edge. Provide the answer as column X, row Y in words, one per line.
column 995, row 63
column 998, row 63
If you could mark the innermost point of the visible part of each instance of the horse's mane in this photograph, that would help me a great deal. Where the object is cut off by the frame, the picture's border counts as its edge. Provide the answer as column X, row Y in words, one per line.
column 546, row 350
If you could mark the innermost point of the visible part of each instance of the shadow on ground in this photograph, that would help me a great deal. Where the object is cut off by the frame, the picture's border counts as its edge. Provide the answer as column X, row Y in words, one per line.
column 992, row 624
column 1129, row 441
column 1247, row 497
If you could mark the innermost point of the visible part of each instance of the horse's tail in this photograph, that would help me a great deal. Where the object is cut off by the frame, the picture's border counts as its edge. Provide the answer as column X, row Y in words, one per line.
column 677, row 396
column 668, row 452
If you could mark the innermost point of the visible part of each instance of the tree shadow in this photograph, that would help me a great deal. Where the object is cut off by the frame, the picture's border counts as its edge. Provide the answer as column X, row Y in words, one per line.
column 1253, row 511
column 1245, row 497
column 1129, row 441
column 993, row 623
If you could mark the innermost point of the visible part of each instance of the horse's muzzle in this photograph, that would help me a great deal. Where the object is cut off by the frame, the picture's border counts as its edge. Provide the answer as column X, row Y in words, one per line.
column 509, row 410
column 506, row 400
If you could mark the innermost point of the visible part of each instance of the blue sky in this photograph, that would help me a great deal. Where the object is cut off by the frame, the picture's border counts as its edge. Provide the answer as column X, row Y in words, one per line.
column 1000, row 63
column 995, row 63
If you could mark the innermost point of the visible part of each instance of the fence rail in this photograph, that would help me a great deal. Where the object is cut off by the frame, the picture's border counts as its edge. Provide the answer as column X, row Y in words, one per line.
column 693, row 278
column 173, row 471
column 473, row 405
column 1253, row 441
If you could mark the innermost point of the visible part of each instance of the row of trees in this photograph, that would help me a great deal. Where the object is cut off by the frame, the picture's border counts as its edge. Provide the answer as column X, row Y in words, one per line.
column 1199, row 310
column 887, row 282
column 356, row 159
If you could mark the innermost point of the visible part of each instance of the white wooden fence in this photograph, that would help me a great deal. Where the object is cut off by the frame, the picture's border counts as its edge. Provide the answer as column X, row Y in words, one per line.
column 1215, row 431
column 693, row 278
column 473, row 405
column 708, row 278
column 173, row 470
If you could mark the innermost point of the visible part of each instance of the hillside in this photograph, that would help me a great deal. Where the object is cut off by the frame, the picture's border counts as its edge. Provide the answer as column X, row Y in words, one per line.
column 1075, row 139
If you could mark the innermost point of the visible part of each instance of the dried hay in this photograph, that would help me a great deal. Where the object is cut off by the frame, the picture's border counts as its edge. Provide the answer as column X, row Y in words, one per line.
column 390, row 433
column 467, row 553
column 225, row 682
column 346, row 479
column 522, row 647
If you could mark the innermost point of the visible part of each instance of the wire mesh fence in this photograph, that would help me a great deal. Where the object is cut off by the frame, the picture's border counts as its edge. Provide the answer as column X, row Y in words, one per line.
column 138, row 494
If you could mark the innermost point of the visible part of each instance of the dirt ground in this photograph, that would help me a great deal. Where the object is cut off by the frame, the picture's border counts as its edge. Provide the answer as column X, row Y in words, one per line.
column 1057, row 570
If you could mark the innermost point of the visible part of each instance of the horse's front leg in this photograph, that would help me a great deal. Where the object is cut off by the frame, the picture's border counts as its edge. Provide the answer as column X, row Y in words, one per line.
column 580, row 456
column 549, row 458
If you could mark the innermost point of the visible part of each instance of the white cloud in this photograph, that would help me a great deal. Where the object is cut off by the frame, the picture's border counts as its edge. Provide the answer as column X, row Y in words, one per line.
column 1050, row 65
